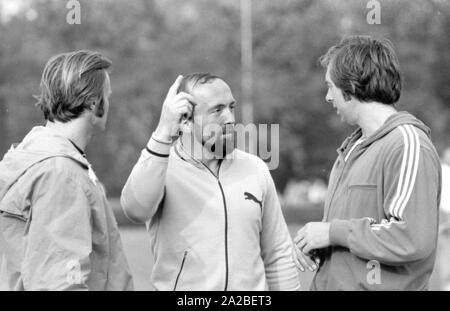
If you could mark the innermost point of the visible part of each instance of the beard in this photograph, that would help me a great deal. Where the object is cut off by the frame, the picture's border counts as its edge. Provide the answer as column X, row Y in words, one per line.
column 221, row 145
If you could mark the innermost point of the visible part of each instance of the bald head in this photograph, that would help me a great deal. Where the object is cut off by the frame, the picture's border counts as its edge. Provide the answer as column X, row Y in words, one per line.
column 192, row 80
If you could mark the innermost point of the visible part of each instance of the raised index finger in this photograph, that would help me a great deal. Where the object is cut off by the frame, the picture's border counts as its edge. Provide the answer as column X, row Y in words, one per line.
column 173, row 90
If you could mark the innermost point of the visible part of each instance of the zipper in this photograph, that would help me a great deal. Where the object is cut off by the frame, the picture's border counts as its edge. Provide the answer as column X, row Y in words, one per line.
column 340, row 176
column 336, row 187
column 181, row 269
column 225, row 213
column 226, row 222
column 226, row 234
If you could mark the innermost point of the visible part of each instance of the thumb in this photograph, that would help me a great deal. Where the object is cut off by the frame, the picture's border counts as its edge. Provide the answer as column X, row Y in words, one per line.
column 173, row 90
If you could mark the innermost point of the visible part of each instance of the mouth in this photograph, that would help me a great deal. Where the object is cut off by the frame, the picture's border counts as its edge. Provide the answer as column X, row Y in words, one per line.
column 228, row 132
column 335, row 107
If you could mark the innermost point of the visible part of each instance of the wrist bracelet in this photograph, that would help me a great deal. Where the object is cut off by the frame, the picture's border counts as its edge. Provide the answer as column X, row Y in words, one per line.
column 165, row 142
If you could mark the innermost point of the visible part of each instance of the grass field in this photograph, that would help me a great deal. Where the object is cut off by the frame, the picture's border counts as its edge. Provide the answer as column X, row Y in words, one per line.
column 136, row 243
column 137, row 248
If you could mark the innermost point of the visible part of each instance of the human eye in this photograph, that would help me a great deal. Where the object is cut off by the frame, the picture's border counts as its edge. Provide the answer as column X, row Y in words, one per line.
column 218, row 109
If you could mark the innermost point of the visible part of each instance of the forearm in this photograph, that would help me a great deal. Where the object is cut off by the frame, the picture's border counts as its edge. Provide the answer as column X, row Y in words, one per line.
column 276, row 243
column 282, row 274
column 144, row 188
column 394, row 243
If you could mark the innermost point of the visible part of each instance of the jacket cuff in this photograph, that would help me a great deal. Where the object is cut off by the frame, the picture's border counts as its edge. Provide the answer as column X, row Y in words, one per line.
column 339, row 232
column 157, row 148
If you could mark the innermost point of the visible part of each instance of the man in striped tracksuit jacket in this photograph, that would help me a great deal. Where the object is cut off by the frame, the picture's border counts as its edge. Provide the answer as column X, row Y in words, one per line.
column 380, row 224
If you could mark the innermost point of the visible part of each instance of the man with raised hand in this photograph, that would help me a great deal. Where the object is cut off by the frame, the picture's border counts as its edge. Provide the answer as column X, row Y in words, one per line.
column 56, row 228
column 379, row 230
column 212, row 211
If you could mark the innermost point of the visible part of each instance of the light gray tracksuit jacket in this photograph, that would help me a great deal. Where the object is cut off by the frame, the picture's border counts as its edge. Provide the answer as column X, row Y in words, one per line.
column 57, row 231
column 208, row 232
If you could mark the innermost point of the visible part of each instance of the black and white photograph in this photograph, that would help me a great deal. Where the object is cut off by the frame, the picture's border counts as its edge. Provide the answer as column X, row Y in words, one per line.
column 225, row 149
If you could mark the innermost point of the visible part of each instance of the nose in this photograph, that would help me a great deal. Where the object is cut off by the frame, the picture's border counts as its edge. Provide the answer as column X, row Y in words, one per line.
column 329, row 98
column 229, row 117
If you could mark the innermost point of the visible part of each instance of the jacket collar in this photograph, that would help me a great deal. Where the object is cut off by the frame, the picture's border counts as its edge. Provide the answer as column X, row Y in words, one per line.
column 46, row 141
column 391, row 123
column 180, row 153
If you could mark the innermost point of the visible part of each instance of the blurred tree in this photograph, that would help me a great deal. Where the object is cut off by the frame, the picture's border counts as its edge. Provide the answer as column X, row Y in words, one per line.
column 4, row 133
column 151, row 42
column 3, row 126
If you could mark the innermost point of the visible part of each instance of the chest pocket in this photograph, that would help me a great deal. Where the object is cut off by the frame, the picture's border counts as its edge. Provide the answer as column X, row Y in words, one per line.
column 15, row 211
column 362, row 201
column 14, row 223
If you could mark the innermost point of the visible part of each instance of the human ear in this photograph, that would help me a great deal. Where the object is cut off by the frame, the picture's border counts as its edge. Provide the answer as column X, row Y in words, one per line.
column 186, row 125
column 97, row 106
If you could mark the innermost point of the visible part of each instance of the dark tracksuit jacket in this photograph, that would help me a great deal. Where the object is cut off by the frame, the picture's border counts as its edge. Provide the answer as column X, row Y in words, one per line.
column 382, row 204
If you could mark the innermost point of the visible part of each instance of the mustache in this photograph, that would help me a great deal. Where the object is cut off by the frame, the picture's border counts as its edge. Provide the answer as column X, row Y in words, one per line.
column 214, row 130
column 228, row 128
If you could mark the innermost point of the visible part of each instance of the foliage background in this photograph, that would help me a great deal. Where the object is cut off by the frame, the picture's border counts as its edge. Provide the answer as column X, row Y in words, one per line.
column 151, row 41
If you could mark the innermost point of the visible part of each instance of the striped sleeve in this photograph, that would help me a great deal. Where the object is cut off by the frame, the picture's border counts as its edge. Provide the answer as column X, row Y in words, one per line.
column 408, row 171
column 410, row 189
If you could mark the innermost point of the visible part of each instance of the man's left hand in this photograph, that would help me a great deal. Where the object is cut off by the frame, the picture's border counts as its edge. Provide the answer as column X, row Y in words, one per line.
column 312, row 236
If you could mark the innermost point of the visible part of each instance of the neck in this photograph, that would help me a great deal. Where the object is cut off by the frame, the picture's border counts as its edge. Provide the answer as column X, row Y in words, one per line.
column 77, row 130
column 372, row 116
column 199, row 153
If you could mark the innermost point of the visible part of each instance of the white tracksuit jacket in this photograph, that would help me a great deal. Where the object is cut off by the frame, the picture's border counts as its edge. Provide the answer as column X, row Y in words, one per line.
column 208, row 232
